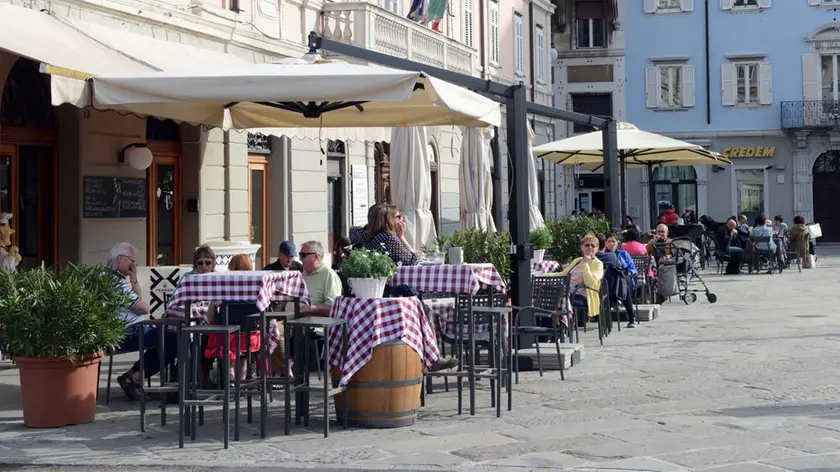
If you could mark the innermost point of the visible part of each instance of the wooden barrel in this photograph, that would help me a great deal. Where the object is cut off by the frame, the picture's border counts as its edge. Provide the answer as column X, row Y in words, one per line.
column 385, row 393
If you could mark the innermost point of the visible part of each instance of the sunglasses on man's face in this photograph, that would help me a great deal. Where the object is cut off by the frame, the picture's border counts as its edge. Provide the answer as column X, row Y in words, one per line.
column 204, row 263
column 303, row 255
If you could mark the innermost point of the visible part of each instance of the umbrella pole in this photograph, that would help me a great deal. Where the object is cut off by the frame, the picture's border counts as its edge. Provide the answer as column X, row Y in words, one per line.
column 651, row 196
column 623, row 188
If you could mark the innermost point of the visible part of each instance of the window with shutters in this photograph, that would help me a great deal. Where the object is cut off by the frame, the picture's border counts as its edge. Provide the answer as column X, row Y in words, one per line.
column 746, row 83
column 669, row 6
column 393, row 6
column 518, row 45
column 468, row 33
column 539, row 54
column 829, row 77
column 670, row 86
column 590, row 25
column 494, row 33
column 736, row 5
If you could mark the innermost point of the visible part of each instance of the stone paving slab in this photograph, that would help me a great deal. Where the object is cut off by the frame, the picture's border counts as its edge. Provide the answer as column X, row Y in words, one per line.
column 739, row 386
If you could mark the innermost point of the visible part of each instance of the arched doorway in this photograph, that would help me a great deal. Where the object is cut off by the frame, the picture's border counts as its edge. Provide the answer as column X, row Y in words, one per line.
column 27, row 163
column 675, row 186
column 826, row 182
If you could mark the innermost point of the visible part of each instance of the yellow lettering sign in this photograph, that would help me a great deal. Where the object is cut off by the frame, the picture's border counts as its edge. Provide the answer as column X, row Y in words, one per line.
column 754, row 151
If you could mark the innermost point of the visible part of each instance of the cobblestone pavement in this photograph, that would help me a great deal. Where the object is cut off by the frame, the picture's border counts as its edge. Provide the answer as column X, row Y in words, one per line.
column 749, row 384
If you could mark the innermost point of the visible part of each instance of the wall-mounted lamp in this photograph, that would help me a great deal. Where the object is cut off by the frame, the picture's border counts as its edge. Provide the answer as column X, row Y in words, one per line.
column 717, row 169
column 136, row 155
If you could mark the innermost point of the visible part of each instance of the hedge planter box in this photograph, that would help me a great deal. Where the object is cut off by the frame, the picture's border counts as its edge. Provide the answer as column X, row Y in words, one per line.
column 58, row 392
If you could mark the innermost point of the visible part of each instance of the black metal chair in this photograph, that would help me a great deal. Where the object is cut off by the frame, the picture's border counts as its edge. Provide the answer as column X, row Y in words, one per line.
column 302, row 386
column 441, row 338
column 190, row 378
column 550, row 301
column 468, row 314
column 760, row 259
column 642, row 294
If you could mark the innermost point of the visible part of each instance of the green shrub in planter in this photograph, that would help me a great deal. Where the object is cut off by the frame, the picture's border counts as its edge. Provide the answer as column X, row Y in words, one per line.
column 56, row 327
column 567, row 232
column 69, row 314
column 484, row 247
column 541, row 238
column 366, row 264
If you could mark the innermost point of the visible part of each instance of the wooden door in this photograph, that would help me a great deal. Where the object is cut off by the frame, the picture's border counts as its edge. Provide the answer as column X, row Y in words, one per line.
column 164, row 208
column 258, row 207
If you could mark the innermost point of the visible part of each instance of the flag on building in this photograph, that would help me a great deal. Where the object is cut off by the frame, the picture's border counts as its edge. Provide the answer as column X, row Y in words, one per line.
column 418, row 11
column 437, row 9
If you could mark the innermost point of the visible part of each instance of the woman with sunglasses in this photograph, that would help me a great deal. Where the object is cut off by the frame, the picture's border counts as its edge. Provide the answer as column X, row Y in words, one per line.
column 385, row 232
column 204, row 261
column 586, row 273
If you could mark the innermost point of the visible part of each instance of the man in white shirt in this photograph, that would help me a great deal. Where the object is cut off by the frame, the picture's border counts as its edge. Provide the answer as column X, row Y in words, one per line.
column 123, row 264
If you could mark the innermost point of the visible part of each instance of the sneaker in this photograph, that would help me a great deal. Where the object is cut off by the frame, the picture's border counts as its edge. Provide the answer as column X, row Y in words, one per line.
column 631, row 325
column 444, row 364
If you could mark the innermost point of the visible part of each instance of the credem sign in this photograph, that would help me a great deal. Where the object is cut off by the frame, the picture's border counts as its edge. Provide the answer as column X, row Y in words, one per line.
column 757, row 151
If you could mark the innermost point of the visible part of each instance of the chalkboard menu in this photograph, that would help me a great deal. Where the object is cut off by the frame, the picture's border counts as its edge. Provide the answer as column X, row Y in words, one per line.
column 114, row 197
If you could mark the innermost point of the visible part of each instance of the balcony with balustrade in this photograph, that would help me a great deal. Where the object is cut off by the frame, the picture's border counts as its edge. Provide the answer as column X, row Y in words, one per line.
column 371, row 27
column 811, row 115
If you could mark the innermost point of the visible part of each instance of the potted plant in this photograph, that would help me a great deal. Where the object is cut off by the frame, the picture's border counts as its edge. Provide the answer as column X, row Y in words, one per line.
column 541, row 239
column 55, row 327
column 367, row 272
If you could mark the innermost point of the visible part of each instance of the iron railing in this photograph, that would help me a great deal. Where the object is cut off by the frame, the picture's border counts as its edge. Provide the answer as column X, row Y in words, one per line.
column 812, row 114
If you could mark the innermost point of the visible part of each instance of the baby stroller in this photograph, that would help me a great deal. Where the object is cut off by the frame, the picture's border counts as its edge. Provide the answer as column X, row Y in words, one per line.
column 677, row 273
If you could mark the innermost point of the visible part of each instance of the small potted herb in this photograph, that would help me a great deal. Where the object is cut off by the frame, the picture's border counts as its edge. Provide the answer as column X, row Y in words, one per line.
column 367, row 272
column 541, row 239
column 56, row 327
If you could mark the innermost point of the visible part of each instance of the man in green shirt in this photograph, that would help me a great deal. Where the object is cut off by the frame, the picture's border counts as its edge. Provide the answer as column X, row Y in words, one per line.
column 323, row 283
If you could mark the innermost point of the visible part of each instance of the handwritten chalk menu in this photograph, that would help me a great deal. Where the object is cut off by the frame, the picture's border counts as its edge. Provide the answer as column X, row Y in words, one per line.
column 114, row 197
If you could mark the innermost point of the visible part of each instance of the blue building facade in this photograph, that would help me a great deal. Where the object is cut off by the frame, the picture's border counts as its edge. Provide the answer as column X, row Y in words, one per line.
column 756, row 80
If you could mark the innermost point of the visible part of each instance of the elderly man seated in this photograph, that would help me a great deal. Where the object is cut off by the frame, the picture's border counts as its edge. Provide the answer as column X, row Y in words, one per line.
column 123, row 264
column 764, row 230
column 660, row 237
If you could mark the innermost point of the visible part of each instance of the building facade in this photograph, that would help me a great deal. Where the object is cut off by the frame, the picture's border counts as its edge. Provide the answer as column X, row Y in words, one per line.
column 236, row 190
column 766, row 100
column 588, row 78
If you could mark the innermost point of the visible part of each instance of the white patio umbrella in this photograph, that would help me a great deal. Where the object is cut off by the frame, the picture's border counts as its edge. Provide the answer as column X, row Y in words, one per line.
column 314, row 93
column 475, row 184
column 636, row 148
column 535, row 217
column 411, row 185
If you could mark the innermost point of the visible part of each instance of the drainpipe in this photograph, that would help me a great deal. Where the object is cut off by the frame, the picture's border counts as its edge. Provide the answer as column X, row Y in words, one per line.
column 531, row 43
column 708, row 71
column 485, row 72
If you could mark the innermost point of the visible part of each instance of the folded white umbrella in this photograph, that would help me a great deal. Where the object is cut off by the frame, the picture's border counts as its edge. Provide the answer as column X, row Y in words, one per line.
column 411, row 184
column 535, row 217
column 313, row 93
column 475, row 184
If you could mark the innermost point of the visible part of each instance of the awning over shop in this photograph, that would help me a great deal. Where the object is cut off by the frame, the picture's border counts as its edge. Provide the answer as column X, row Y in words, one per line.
column 74, row 50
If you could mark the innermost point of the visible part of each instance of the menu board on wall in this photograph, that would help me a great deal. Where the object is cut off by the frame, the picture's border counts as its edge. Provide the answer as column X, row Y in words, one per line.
column 114, row 197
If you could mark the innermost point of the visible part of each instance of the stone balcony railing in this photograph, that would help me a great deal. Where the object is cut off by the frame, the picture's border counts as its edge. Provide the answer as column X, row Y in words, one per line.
column 367, row 26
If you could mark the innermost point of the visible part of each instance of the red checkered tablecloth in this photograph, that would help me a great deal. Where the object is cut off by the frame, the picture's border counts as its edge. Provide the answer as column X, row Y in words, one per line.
column 546, row 267
column 260, row 287
column 449, row 278
column 373, row 321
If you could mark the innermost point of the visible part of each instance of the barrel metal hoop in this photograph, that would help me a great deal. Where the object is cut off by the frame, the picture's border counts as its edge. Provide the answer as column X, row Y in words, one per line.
column 389, row 384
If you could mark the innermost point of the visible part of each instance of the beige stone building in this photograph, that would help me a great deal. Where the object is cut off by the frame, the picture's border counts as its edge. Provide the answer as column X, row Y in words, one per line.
column 58, row 163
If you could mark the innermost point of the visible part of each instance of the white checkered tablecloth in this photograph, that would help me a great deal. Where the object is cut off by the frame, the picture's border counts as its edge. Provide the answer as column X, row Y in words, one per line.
column 373, row 321
column 260, row 287
column 546, row 267
column 449, row 278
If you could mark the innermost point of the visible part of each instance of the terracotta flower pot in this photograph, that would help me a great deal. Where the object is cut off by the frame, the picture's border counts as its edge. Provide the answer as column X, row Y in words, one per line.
column 57, row 392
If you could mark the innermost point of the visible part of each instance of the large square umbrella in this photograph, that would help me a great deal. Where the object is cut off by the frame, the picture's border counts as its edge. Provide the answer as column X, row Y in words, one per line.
column 636, row 148
column 314, row 93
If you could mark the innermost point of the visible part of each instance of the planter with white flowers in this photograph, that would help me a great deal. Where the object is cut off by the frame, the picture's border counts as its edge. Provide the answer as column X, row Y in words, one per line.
column 367, row 272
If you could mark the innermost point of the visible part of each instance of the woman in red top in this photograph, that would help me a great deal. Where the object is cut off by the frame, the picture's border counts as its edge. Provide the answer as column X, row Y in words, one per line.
column 214, row 343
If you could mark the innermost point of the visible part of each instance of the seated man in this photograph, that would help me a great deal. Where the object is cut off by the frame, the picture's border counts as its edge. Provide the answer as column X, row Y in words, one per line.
column 731, row 241
column 660, row 237
column 285, row 259
column 764, row 230
column 323, row 283
column 122, row 261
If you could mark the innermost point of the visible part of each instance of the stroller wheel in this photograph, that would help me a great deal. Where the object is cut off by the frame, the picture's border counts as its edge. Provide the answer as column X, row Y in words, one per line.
column 711, row 297
column 690, row 298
